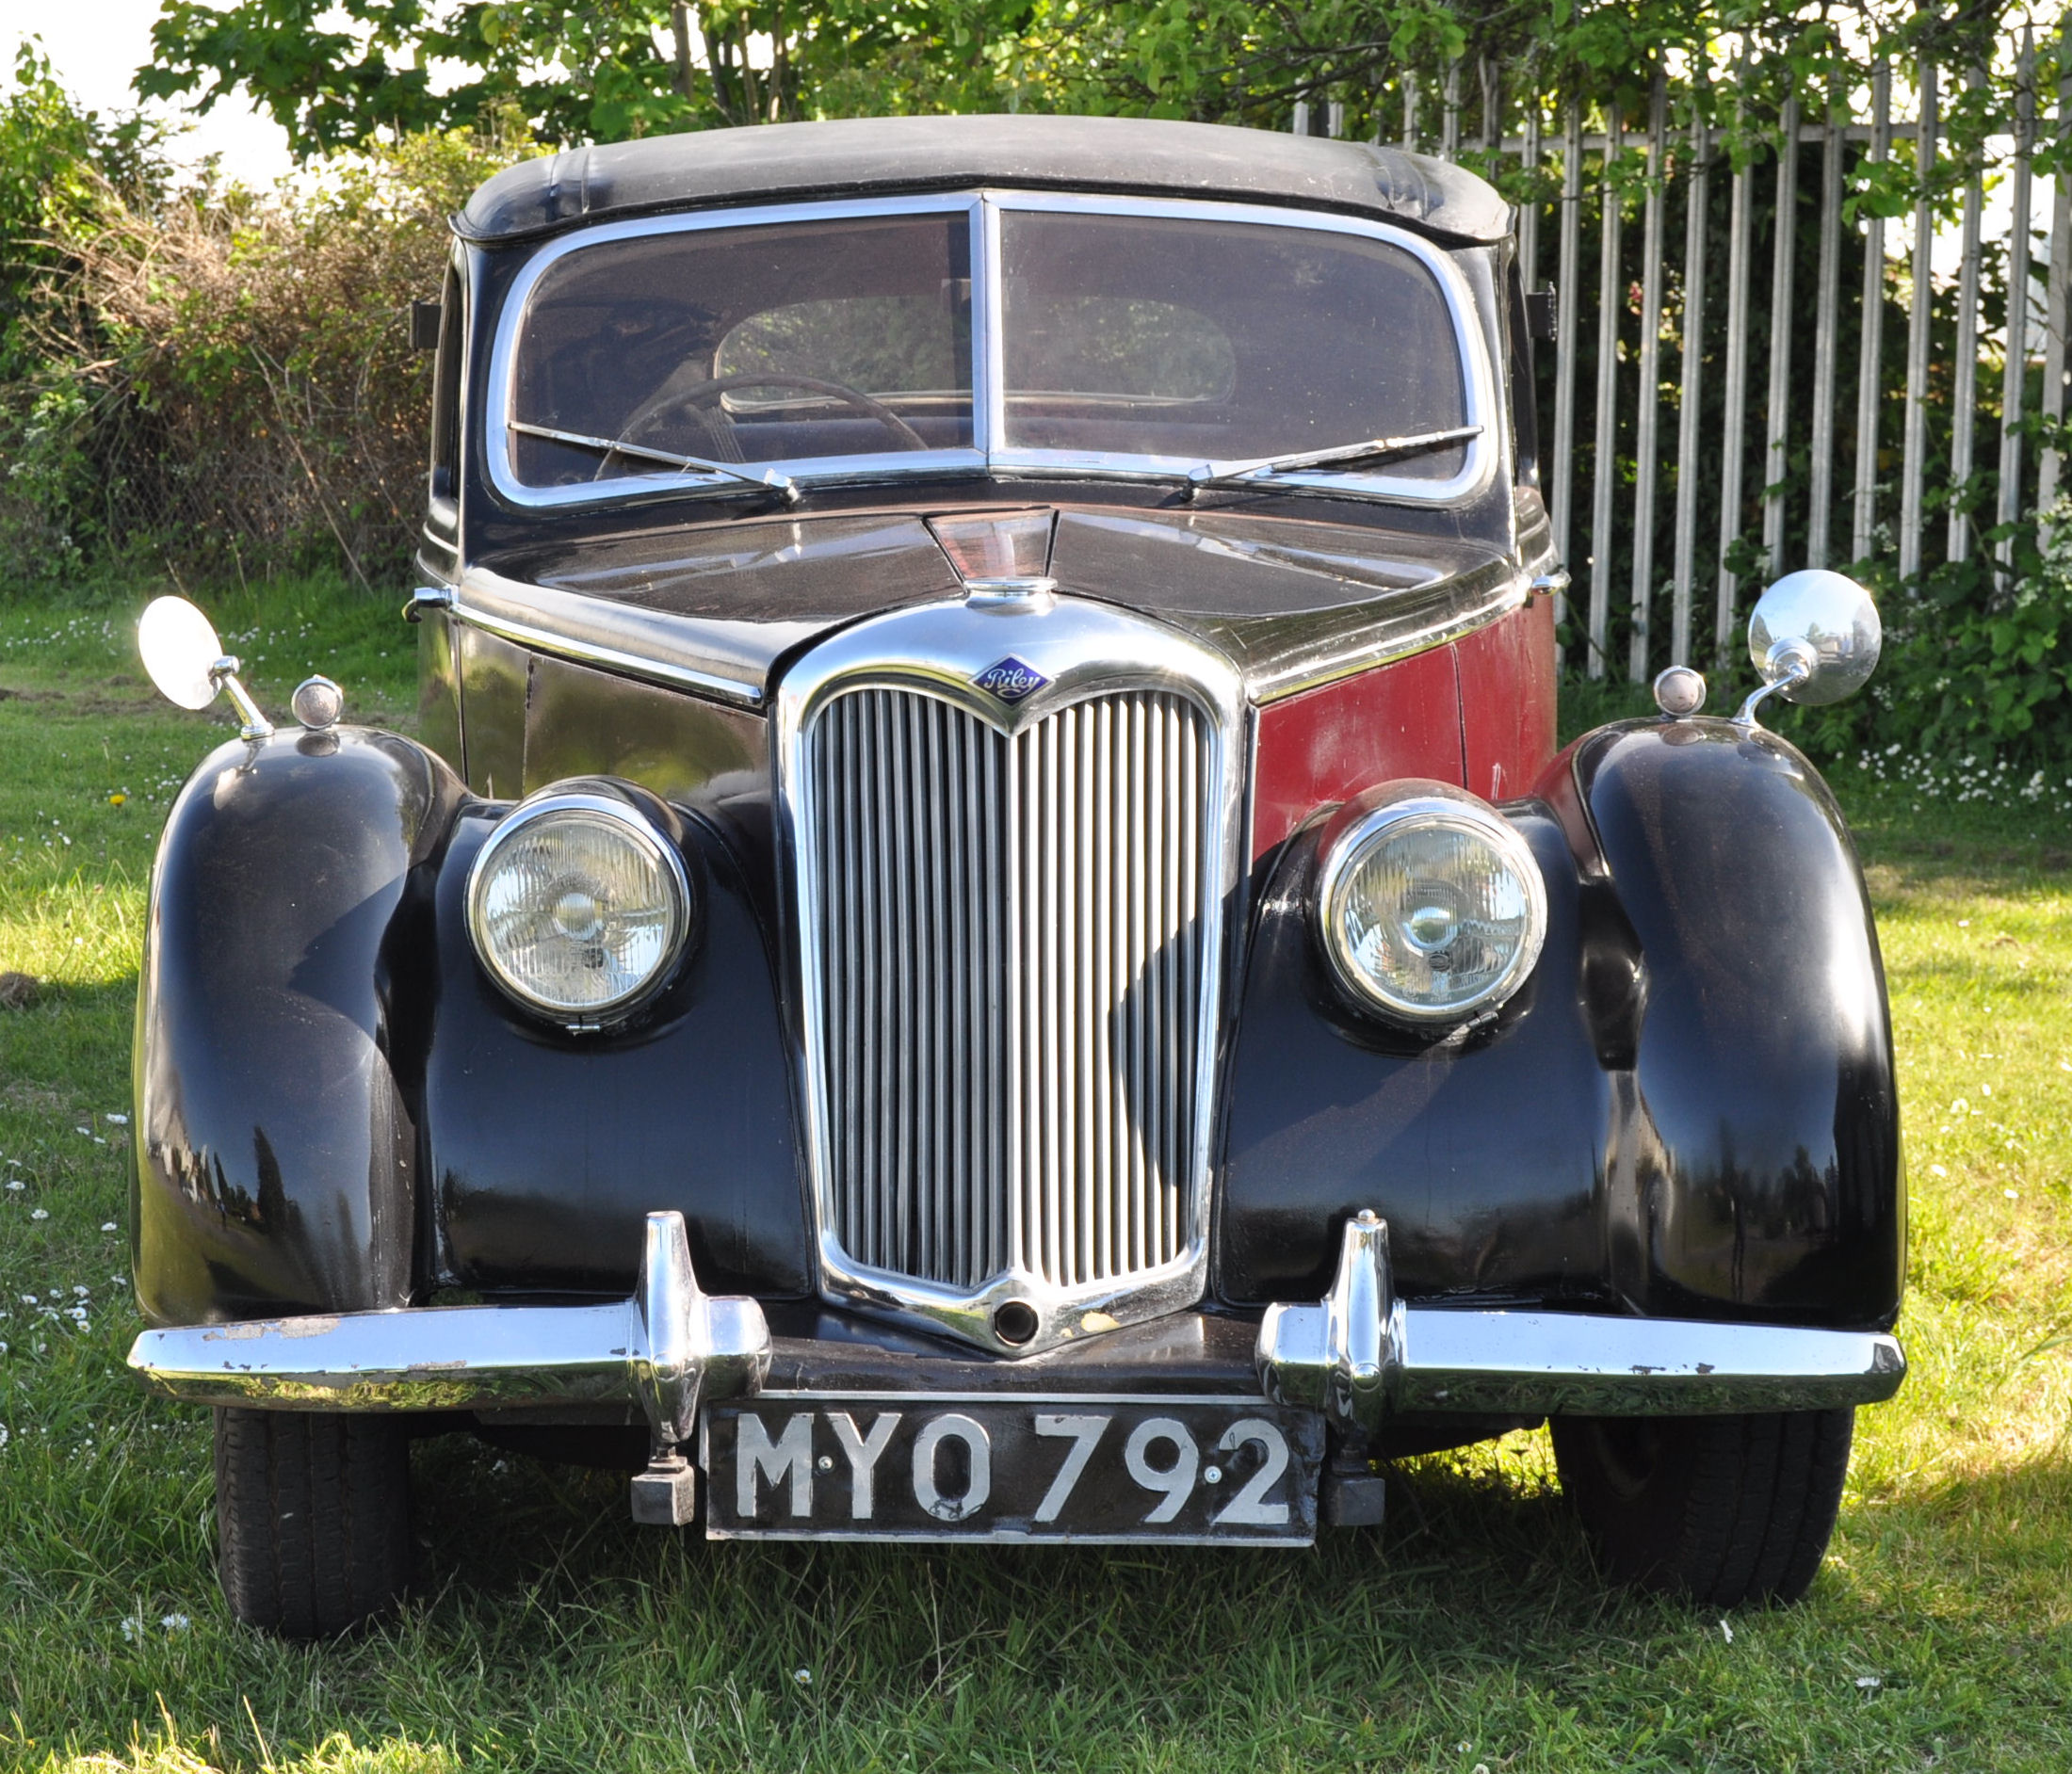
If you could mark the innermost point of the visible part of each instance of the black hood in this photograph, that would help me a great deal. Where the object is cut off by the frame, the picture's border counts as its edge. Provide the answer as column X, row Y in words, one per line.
column 1290, row 601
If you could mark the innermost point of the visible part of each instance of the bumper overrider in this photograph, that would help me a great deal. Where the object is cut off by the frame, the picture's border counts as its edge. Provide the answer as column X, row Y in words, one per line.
column 1353, row 1359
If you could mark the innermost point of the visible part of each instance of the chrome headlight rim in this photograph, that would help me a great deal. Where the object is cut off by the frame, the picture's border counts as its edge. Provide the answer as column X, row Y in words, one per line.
column 1366, row 822
column 624, row 810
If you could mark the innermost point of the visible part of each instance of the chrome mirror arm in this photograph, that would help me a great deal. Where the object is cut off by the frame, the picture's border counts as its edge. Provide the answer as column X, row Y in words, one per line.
column 1788, row 663
column 223, row 674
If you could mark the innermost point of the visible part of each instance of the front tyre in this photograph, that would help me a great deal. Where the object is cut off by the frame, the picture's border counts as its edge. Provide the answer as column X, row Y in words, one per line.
column 312, row 1518
column 1724, row 1510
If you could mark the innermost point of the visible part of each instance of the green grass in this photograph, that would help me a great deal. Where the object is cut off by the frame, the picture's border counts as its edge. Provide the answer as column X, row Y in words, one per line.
column 548, row 1633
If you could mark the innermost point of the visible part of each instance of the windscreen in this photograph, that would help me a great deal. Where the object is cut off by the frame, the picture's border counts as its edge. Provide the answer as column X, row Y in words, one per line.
column 776, row 342
column 1189, row 339
column 1221, row 340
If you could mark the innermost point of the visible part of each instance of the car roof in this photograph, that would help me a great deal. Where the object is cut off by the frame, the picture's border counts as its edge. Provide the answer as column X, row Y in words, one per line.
column 870, row 156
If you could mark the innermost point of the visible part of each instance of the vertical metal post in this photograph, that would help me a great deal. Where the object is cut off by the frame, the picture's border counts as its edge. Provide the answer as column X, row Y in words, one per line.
column 1568, row 270
column 1410, row 111
column 2057, row 318
column 1334, row 119
column 1603, row 465
column 1694, row 369
column 1645, row 450
column 1824, row 324
column 1492, row 73
column 1734, row 451
column 1869, row 365
column 1783, row 258
column 2014, row 384
column 1450, row 123
column 1964, row 393
column 1300, row 125
column 1528, row 213
column 1913, row 467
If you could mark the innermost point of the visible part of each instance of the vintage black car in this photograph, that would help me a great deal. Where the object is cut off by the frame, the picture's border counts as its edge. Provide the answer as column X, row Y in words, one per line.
column 984, row 939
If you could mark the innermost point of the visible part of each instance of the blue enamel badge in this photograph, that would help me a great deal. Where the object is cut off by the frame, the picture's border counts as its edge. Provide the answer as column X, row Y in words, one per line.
column 1010, row 680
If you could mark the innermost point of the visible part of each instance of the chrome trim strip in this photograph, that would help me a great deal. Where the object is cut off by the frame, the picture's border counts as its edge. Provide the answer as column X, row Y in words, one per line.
column 1082, row 650
column 990, row 452
column 1354, row 651
column 666, row 1349
column 729, row 661
column 1361, row 1355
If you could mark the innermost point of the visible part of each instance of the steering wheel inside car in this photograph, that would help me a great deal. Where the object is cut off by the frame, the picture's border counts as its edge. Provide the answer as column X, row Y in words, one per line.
column 717, row 425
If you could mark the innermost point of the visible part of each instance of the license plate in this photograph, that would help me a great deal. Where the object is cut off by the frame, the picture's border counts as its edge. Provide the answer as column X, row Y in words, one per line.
column 1103, row 1470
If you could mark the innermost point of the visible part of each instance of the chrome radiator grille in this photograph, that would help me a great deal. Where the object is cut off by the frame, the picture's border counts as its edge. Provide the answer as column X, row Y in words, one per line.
column 1010, row 937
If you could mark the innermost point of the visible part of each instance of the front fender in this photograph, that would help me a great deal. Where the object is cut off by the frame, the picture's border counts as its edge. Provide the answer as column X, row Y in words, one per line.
column 1689, row 1110
column 1753, row 1158
column 286, row 945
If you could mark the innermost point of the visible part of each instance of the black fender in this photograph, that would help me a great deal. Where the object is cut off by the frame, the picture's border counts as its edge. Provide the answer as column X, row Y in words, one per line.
column 337, row 1110
column 286, row 946
column 547, row 1150
column 1688, row 1110
column 1753, row 1161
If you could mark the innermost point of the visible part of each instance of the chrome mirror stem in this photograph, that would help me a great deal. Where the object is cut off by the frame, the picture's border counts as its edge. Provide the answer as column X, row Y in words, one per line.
column 223, row 673
column 1790, row 662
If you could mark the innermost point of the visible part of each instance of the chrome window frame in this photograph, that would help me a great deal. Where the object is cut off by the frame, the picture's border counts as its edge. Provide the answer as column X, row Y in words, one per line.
column 938, row 650
column 1477, row 387
column 990, row 452
column 499, row 443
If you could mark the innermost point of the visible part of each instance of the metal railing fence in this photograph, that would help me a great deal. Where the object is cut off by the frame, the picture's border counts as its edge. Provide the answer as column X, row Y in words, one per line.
column 1873, row 362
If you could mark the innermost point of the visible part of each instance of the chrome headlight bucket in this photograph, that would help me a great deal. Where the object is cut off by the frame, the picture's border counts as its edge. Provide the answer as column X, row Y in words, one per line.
column 579, row 905
column 1428, row 904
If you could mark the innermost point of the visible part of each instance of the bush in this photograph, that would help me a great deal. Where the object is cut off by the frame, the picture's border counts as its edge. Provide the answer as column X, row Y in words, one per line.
column 222, row 377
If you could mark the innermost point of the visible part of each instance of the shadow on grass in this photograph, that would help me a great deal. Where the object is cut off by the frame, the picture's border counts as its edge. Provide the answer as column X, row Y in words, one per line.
column 1481, row 1551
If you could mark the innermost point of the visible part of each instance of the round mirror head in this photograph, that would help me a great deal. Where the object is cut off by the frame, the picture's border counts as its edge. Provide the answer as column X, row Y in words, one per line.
column 179, row 645
column 1833, row 616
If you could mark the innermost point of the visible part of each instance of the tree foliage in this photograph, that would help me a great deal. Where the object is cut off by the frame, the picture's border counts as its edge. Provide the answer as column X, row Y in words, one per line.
column 341, row 71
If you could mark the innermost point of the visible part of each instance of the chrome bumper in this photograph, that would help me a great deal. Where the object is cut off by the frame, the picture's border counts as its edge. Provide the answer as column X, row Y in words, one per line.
column 1360, row 1355
column 666, row 1349
column 1357, row 1355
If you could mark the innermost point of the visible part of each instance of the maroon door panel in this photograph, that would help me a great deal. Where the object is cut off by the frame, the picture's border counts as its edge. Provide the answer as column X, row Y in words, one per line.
column 1320, row 747
column 1507, row 700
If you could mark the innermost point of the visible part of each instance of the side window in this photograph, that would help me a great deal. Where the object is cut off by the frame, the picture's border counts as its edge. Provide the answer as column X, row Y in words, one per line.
column 1525, row 391
column 445, row 404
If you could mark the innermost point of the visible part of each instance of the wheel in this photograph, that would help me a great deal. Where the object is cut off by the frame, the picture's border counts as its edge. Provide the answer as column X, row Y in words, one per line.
column 1723, row 1509
column 312, row 1518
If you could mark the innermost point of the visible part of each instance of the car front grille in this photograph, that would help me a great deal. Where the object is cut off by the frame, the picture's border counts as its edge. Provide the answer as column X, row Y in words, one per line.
column 1009, row 941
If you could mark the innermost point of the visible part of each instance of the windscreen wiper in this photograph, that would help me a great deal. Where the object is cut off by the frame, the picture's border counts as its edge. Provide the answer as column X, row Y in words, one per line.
column 769, row 479
column 1372, row 449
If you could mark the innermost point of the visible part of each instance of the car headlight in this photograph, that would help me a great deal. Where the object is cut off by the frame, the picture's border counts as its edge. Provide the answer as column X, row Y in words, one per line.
column 578, row 907
column 1431, row 905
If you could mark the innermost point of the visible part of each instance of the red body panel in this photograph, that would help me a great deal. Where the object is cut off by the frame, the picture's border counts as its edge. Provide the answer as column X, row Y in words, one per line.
column 1325, row 746
column 1478, row 712
column 1507, row 681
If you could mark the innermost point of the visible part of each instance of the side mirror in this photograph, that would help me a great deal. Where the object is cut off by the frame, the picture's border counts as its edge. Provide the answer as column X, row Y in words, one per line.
column 186, row 661
column 1815, row 638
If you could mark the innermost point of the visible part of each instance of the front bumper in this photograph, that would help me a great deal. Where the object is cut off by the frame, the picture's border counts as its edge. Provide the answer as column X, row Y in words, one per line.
column 1358, row 1357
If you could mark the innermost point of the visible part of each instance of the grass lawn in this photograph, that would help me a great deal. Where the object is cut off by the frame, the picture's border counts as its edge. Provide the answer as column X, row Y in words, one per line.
column 1468, row 1634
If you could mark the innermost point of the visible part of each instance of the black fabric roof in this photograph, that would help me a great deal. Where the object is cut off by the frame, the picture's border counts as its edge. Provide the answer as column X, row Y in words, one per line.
column 1084, row 154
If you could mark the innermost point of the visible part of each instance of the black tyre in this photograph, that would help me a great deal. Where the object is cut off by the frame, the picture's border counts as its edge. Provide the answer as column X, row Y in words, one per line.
column 312, row 1518
column 1725, row 1510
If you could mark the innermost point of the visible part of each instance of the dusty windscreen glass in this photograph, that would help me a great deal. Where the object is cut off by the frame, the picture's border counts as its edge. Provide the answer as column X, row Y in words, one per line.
column 785, row 342
column 1216, row 340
